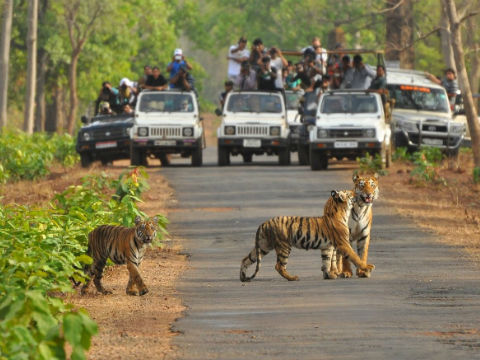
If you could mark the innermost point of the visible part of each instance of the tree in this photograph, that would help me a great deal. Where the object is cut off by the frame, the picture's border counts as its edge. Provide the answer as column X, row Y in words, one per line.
column 4, row 59
column 456, row 39
column 399, row 34
column 32, row 66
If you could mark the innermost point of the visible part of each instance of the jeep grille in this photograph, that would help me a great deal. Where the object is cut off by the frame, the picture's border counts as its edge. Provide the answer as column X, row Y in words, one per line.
column 111, row 133
column 252, row 130
column 346, row 133
column 166, row 132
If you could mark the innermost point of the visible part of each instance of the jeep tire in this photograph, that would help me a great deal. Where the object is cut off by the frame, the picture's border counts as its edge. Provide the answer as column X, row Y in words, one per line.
column 284, row 156
column 85, row 159
column 197, row 156
column 318, row 160
column 223, row 156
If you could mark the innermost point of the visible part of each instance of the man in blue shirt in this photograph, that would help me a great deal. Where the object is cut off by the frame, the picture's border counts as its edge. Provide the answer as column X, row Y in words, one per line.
column 177, row 62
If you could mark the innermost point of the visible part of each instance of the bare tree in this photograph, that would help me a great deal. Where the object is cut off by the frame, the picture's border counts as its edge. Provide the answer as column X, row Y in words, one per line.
column 4, row 57
column 456, row 38
column 78, row 32
column 472, row 43
column 31, row 66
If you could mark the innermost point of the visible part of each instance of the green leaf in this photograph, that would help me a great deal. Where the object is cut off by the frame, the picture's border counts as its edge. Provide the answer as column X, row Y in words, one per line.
column 72, row 329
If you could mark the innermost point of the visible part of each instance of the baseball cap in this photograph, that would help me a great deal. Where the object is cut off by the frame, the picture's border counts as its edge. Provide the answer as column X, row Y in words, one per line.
column 178, row 53
column 126, row 81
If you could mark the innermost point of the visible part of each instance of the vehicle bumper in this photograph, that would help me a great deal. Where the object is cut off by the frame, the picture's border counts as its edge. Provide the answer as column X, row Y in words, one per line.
column 263, row 144
column 423, row 139
column 170, row 146
column 335, row 148
column 112, row 148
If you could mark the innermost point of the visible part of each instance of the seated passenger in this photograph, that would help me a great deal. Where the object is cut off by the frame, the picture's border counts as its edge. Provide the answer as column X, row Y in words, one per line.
column 358, row 77
column 183, row 80
column 127, row 92
column 266, row 76
column 185, row 106
column 247, row 79
column 127, row 109
column 178, row 61
column 334, row 106
column 156, row 81
column 223, row 95
column 105, row 108
column 108, row 94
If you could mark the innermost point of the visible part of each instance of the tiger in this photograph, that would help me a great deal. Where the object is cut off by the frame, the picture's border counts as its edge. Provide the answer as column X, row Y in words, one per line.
column 360, row 221
column 122, row 245
column 325, row 233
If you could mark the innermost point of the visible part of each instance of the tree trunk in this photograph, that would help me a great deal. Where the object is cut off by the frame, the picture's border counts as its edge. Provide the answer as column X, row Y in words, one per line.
column 4, row 57
column 445, row 41
column 470, row 110
column 31, row 66
column 72, row 78
column 473, row 56
column 399, row 34
column 40, row 98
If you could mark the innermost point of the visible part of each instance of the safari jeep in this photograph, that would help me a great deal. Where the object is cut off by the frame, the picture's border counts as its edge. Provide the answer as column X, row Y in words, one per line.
column 166, row 122
column 253, row 123
column 422, row 115
column 349, row 123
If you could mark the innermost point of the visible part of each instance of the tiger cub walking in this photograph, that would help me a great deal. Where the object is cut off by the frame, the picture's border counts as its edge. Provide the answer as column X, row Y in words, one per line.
column 360, row 222
column 326, row 233
column 122, row 245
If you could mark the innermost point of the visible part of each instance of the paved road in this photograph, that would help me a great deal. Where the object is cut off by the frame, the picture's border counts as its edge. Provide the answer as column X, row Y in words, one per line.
column 422, row 301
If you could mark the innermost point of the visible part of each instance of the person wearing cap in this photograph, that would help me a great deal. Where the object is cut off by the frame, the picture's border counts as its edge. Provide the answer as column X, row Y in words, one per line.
column 236, row 55
column 223, row 95
column 127, row 92
column 256, row 54
column 267, row 75
column 178, row 60
column 247, row 79
column 156, row 81
column 108, row 94
column 359, row 76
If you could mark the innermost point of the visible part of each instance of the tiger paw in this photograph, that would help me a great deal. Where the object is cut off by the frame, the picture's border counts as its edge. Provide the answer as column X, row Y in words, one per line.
column 293, row 278
column 143, row 292
column 105, row 292
column 363, row 274
column 369, row 268
column 346, row 274
column 329, row 275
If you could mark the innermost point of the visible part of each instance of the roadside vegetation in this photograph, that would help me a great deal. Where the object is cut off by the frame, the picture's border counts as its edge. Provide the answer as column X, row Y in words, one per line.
column 42, row 250
column 29, row 157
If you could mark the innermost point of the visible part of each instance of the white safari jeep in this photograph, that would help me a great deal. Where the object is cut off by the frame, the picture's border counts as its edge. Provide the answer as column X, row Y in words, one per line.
column 166, row 122
column 422, row 115
column 349, row 123
column 253, row 122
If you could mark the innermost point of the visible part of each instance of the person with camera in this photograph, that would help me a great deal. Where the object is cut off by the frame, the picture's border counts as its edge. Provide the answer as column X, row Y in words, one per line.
column 320, row 55
column 247, row 80
column 236, row 55
column 156, row 81
column 110, row 95
column 267, row 75
column 359, row 76
column 178, row 61
column 256, row 54
column 183, row 80
column 279, row 63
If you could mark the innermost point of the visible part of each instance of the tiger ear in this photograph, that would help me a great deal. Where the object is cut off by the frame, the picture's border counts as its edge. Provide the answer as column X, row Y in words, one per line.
column 155, row 220
column 334, row 194
column 375, row 176
column 355, row 176
column 138, row 220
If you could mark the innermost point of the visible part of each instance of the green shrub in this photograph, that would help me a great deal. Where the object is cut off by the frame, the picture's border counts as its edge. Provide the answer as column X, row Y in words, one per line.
column 426, row 162
column 476, row 175
column 370, row 164
column 40, row 251
column 401, row 154
column 29, row 157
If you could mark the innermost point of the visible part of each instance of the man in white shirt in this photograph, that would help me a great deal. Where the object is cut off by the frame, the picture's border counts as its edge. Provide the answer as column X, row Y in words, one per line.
column 321, row 54
column 279, row 62
column 236, row 55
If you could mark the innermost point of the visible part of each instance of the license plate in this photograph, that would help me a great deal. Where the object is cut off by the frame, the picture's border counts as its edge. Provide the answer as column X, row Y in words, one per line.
column 345, row 144
column 252, row 143
column 427, row 141
column 105, row 144
column 165, row 142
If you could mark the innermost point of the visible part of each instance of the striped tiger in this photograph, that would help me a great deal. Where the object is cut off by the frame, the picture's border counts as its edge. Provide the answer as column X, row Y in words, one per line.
column 326, row 233
column 360, row 222
column 122, row 245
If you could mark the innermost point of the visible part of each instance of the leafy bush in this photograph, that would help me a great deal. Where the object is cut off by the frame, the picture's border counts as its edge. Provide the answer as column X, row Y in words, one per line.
column 28, row 157
column 476, row 175
column 401, row 154
column 426, row 163
column 370, row 164
column 41, row 250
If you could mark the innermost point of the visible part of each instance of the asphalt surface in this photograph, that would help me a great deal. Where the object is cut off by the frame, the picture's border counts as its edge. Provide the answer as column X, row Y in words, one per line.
column 422, row 301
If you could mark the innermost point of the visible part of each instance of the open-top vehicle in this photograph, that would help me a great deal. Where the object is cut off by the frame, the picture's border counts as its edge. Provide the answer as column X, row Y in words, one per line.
column 104, row 138
column 253, row 123
column 167, row 122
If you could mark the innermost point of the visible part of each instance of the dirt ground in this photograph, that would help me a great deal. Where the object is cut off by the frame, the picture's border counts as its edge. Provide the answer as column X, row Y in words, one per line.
column 139, row 327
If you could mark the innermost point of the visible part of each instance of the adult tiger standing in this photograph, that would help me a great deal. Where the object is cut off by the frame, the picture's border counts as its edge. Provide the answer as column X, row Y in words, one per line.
column 122, row 245
column 326, row 233
column 360, row 222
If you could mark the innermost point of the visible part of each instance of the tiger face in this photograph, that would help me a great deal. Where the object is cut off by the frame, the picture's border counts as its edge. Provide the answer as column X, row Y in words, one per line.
column 146, row 230
column 366, row 189
column 345, row 197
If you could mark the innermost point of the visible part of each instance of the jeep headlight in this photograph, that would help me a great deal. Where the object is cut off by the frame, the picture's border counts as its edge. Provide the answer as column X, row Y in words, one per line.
column 229, row 130
column 142, row 131
column 86, row 136
column 274, row 130
column 322, row 133
column 187, row 131
column 408, row 126
column 457, row 128
column 369, row 133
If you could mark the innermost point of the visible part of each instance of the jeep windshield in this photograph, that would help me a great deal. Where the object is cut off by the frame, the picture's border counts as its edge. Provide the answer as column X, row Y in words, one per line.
column 165, row 102
column 293, row 98
column 104, row 118
column 255, row 103
column 419, row 98
column 349, row 103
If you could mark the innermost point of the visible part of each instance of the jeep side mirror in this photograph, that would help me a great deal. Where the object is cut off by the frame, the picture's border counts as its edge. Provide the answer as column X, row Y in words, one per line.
column 84, row 119
column 201, row 118
column 218, row 112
